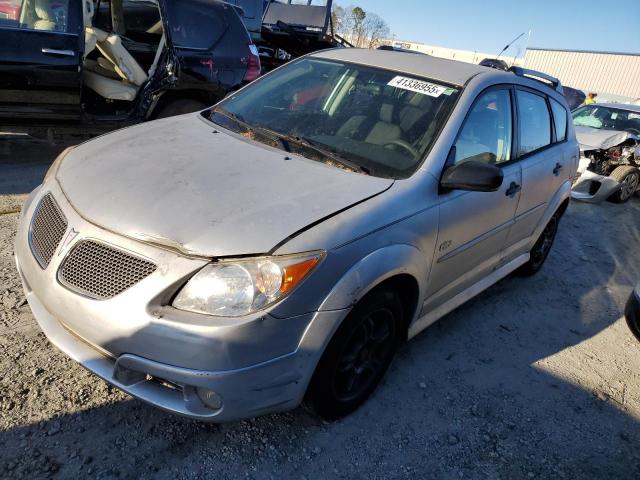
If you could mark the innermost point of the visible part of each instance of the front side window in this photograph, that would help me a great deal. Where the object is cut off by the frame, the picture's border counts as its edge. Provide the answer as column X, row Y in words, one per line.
column 535, row 122
column 376, row 121
column 560, row 120
column 487, row 132
column 47, row 15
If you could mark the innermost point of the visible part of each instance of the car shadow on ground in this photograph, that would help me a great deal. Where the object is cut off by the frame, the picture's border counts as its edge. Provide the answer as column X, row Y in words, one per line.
column 24, row 161
column 506, row 386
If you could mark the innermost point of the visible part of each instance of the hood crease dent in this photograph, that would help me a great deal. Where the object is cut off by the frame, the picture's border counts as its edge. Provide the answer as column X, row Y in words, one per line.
column 176, row 184
column 601, row 139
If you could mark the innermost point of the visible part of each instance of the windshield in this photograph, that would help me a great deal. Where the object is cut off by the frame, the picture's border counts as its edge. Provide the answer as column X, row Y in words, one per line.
column 351, row 116
column 606, row 118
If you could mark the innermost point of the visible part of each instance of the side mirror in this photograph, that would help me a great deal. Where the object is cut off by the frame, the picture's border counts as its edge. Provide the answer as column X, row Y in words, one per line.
column 473, row 176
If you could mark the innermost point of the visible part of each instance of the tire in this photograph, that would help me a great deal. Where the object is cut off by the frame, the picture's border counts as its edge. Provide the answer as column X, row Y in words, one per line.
column 542, row 247
column 357, row 356
column 629, row 177
column 632, row 315
column 180, row 107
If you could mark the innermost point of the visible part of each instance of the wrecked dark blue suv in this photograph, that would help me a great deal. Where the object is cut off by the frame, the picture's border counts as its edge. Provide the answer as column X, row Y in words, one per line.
column 107, row 63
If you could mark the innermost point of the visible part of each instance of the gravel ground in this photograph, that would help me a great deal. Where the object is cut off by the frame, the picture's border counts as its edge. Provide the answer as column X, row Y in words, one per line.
column 535, row 378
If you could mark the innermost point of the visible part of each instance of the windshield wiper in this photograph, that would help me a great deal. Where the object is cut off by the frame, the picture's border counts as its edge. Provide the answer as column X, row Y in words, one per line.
column 285, row 140
column 253, row 129
column 311, row 145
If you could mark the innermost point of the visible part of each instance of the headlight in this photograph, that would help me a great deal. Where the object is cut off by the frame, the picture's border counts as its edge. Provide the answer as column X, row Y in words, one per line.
column 237, row 288
column 51, row 173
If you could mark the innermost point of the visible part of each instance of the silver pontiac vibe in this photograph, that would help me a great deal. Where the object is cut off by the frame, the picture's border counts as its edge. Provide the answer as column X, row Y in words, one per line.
column 279, row 246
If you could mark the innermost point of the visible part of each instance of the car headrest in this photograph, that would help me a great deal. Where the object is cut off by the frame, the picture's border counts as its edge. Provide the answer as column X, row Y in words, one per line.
column 43, row 10
column 386, row 113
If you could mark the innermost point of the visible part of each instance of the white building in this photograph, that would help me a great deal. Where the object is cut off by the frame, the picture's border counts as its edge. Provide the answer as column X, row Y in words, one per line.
column 451, row 53
column 613, row 76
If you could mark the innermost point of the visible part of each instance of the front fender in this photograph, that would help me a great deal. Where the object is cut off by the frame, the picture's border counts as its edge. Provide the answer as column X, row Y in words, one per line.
column 374, row 269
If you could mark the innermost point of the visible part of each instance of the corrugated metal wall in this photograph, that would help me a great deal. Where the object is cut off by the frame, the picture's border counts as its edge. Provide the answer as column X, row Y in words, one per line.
column 612, row 73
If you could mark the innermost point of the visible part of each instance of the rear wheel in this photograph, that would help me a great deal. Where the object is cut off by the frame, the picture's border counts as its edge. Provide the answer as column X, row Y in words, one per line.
column 180, row 107
column 629, row 178
column 541, row 248
column 358, row 355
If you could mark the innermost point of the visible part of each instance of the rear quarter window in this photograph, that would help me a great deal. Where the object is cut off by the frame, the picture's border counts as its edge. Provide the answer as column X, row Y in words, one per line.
column 534, row 122
column 560, row 120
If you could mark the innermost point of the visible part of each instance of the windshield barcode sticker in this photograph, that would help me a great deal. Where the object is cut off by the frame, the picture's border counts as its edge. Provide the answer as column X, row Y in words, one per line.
column 417, row 86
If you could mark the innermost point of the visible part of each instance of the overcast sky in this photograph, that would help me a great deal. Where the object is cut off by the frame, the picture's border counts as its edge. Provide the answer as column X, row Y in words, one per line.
column 488, row 25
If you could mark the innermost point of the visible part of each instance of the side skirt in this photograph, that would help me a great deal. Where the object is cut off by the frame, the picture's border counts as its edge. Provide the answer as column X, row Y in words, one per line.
column 450, row 305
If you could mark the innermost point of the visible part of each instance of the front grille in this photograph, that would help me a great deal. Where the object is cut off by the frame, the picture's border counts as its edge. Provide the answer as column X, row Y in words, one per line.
column 100, row 271
column 47, row 229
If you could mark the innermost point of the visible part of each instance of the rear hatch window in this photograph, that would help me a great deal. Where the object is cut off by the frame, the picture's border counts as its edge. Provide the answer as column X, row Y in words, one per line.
column 197, row 24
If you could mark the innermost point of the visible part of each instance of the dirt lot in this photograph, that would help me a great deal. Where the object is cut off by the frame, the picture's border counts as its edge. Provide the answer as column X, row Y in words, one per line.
column 535, row 378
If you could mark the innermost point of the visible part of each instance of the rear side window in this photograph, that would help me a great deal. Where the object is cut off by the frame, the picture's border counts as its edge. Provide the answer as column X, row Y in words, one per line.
column 560, row 120
column 535, row 122
column 487, row 132
column 44, row 15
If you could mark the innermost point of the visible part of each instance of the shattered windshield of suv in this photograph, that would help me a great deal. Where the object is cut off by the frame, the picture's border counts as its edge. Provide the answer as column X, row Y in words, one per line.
column 354, row 117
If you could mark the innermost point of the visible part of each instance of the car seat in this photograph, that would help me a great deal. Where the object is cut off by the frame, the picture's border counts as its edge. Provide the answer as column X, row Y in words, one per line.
column 110, row 46
column 45, row 19
column 116, row 75
column 381, row 132
column 415, row 117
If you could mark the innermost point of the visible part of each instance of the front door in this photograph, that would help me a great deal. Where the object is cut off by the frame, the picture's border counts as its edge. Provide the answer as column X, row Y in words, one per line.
column 40, row 51
column 474, row 226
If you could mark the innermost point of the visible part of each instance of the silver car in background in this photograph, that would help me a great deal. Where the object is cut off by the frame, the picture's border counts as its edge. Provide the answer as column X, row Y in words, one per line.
column 279, row 246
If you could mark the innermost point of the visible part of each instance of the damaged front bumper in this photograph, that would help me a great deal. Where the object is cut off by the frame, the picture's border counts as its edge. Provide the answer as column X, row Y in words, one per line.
column 591, row 187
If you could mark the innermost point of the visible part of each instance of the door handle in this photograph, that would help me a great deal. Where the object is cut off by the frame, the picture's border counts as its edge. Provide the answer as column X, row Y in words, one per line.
column 556, row 171
column 62, row 53
column 513, row 189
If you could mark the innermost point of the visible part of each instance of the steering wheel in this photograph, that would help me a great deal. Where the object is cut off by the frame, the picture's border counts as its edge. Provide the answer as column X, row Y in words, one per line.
column 402, row 144
column 635, row 131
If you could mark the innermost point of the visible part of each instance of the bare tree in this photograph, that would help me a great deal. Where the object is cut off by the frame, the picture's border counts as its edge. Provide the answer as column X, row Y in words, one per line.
column 359, row 17
column 361, row 28
column 376, row 30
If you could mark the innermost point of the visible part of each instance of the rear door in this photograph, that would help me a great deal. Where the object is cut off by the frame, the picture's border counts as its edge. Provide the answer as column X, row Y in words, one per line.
column 546, row 159
column 40, row 51
column 474, row 226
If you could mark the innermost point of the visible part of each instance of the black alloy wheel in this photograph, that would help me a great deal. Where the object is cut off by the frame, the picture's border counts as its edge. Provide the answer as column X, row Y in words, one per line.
column 358, row 355
column 541, row 248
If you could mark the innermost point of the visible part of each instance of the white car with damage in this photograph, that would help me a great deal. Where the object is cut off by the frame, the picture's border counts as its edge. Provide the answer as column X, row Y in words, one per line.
column 609, row 138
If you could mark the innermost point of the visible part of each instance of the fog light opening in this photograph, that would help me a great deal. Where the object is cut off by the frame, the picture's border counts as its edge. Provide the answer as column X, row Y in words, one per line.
column 210, row 398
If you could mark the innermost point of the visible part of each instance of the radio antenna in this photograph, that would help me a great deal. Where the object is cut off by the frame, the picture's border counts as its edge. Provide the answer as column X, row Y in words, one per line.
column 510, row 43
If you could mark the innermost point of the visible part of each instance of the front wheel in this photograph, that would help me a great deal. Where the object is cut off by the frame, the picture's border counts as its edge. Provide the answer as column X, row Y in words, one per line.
column 541, row 248
column 629, row 178
column 358, row 356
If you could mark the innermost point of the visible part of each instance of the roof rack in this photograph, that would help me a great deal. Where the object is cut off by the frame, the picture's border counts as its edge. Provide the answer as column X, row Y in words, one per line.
column 525, row 72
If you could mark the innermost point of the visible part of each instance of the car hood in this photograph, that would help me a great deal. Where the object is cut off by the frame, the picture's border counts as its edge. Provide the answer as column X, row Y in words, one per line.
column 185, row 184
column 600, row 139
